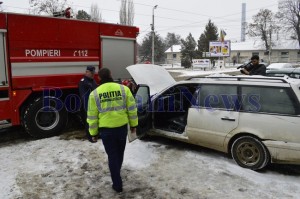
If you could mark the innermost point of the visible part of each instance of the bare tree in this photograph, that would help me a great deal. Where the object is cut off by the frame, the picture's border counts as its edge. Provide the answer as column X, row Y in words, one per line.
column 289, row 16
column 127, row 12
column 123, row 15
column 265, row 27
column 95, row 13
column 48, row 6
column 130, row 16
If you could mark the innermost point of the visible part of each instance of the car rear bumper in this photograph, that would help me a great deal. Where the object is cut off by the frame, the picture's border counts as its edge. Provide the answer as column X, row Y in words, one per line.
column 283, row 152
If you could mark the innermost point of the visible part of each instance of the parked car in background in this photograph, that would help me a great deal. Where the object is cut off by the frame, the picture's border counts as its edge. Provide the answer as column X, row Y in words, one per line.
column 291, row 72
column 276, row 66
column 255, row 119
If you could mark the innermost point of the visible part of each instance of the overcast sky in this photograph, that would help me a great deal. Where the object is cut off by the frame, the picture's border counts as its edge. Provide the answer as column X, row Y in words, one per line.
column 177, row 16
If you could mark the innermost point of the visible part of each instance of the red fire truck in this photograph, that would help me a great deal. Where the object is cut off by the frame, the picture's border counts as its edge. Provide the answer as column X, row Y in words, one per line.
column 42, row 59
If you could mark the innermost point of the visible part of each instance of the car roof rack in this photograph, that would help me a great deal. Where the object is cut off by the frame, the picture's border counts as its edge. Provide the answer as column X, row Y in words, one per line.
column 240, row 78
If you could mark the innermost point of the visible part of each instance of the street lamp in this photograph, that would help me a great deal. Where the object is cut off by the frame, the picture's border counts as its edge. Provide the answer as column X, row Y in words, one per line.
column 153, row 33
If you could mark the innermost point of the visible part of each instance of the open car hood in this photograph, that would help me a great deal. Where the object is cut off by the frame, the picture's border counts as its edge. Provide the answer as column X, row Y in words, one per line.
column 156, row 77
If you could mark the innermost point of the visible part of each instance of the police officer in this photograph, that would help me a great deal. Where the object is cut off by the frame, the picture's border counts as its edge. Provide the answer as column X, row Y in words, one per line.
column 86, row 85
column 111, row 107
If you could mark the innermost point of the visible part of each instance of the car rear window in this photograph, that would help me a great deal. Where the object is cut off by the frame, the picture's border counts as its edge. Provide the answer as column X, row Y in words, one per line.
column 268, row 100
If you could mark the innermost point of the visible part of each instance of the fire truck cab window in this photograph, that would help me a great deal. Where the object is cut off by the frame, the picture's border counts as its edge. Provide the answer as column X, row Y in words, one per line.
column 3, row 73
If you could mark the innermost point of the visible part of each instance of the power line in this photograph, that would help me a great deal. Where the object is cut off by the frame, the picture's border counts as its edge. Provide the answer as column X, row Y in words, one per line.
column 187, row 12
column 175, row 19
column 171, row 9
column 16, row 7
column 222, row 17
column 110, row 10
column 189, row 25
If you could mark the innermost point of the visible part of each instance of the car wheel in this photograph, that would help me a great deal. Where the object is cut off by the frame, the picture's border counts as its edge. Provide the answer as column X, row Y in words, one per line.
column 249, row 152
column 40, row 122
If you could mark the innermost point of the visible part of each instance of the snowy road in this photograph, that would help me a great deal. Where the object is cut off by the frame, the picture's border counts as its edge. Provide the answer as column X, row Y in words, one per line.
column 68, row 166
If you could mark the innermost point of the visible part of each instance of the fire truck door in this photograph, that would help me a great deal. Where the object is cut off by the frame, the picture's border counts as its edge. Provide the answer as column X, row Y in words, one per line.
column 3, row 69
column 4, row 89
column 117, row 54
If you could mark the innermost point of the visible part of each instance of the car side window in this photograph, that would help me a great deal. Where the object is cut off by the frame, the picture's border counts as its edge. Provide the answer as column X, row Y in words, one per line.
column 142, row 96
column 297, row 76
column 268, row 100
column 218, row 96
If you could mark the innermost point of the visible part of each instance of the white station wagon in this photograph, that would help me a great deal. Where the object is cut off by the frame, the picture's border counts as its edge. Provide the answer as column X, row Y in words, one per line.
column 255, row 119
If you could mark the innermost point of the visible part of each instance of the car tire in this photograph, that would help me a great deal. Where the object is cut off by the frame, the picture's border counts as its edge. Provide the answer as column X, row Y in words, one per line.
column 42, row 124
column 249, row 152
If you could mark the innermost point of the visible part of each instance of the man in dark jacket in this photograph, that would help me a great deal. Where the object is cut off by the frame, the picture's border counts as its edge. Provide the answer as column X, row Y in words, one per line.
column 255, row 68
column 86, row 85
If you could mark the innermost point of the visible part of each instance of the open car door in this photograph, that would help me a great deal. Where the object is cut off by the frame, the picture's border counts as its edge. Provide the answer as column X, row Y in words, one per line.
column 142, row 98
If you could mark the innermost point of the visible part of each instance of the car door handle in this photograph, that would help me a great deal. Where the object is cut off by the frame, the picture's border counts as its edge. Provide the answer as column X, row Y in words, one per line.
column 228, row 119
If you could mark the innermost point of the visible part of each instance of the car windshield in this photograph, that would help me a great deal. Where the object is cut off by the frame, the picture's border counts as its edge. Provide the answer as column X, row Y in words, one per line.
column 293, row 73
column 279, row 66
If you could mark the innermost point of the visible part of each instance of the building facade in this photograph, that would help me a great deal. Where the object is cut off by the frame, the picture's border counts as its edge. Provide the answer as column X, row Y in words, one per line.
column 173, row 55
column 284, row 51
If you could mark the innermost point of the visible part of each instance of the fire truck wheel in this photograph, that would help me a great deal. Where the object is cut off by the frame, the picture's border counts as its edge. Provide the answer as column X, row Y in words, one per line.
column 44, row 121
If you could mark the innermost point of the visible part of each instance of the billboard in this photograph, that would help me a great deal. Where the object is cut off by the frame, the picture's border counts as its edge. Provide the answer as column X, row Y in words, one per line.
column 219, row 49
column 201, row 63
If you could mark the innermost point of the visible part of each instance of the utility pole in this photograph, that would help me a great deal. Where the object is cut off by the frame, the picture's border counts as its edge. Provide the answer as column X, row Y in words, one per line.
column 172, row 55
column 244, row 23
column 270, row 46
column 153, row 34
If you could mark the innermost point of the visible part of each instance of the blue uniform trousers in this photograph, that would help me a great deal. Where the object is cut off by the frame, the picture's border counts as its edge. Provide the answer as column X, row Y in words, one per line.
column 114, row 141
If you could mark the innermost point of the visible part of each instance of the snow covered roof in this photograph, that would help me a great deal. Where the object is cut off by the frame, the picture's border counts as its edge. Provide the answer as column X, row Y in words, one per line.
column 258, row 45
column 176, row 49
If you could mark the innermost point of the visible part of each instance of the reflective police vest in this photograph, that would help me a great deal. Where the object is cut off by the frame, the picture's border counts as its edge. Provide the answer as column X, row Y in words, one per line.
column 111, row 105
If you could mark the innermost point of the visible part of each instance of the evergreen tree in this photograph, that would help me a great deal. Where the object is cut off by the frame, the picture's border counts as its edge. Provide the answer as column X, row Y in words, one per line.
column 172, row 39
column 145, row 50
column 201, row 45
column 81, row 14
column 188, row 51
column 210, row 34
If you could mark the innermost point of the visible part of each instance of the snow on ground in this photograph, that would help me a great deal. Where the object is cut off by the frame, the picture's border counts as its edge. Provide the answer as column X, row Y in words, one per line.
column 68, row 166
